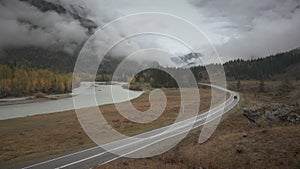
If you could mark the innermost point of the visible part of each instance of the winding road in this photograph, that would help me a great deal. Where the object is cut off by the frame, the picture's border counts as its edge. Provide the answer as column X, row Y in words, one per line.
column 97, row 155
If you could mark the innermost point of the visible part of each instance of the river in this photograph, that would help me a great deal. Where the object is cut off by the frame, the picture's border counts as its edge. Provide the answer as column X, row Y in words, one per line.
column 85, row 96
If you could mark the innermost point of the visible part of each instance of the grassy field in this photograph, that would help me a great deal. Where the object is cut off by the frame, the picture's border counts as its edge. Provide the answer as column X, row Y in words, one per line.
column 44, row 136
column 236, row 143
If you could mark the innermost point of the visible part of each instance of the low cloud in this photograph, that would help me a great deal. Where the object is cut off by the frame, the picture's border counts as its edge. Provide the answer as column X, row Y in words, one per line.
column 253, row 28
column 24, row 25
column 238, row 29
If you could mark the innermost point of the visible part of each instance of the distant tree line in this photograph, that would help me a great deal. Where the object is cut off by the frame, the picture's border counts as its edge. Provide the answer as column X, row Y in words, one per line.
column 262, row 67
column 256, row 69
column 27, row 71
column 152, row 78
column 163, row 78
column 19, row 81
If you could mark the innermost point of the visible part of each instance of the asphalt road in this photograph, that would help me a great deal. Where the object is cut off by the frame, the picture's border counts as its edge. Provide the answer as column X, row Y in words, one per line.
column 97, row 155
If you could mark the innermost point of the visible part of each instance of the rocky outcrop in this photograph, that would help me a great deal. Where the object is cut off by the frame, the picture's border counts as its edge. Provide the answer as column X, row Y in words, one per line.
column 273, row 112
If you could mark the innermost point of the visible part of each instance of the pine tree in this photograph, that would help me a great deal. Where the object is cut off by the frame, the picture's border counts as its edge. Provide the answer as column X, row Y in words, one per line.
column 261, row 85
column 238, row 85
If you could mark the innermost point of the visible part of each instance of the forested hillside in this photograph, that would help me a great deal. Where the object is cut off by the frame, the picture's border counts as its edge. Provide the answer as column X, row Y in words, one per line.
column 31, row 70
column 255, row 69
column 50, row 59
column 38, row 58
column 263, row 67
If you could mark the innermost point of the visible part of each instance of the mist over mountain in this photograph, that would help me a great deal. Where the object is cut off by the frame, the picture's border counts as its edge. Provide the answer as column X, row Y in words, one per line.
column 76, row 12
column 44, row 24
column 50, row 33
column 149, row 65
column 57, row 29
column 189, row 60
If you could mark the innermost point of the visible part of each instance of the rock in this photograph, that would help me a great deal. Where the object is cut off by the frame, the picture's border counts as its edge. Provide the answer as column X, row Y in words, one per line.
column 240, row 149
column 244, row 135
column 273, row 112
column 272, row 115
column 294, row 118
column 254, row 112
column 125, row 163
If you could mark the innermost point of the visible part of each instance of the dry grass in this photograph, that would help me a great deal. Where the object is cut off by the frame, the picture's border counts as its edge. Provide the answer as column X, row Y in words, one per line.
column 235, row 144
column 129, row 128
column 40, row 136
column 28, row 138
column 262, row 148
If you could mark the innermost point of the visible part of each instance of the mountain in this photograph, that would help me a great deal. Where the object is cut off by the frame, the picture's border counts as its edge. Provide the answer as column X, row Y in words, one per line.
column 59, row 55
column 38, row 58
column 63, row 62
column 189, row 60
column 77, row 12
column 52, row 57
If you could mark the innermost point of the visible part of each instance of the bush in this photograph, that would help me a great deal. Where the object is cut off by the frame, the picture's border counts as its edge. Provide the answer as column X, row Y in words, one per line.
column 40, row 95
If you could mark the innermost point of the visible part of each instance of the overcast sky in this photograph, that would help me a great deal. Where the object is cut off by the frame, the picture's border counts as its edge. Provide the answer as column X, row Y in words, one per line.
column 237, row 29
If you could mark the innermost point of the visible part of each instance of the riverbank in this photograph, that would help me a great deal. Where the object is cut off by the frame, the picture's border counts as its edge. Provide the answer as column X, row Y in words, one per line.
column 41, row 97
column 33, row 99
column 89, row 94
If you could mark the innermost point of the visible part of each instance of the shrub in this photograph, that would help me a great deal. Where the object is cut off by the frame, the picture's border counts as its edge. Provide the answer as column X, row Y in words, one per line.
column 40, row 95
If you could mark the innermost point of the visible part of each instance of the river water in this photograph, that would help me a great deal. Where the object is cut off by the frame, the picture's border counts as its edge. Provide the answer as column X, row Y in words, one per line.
column 87, row 95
